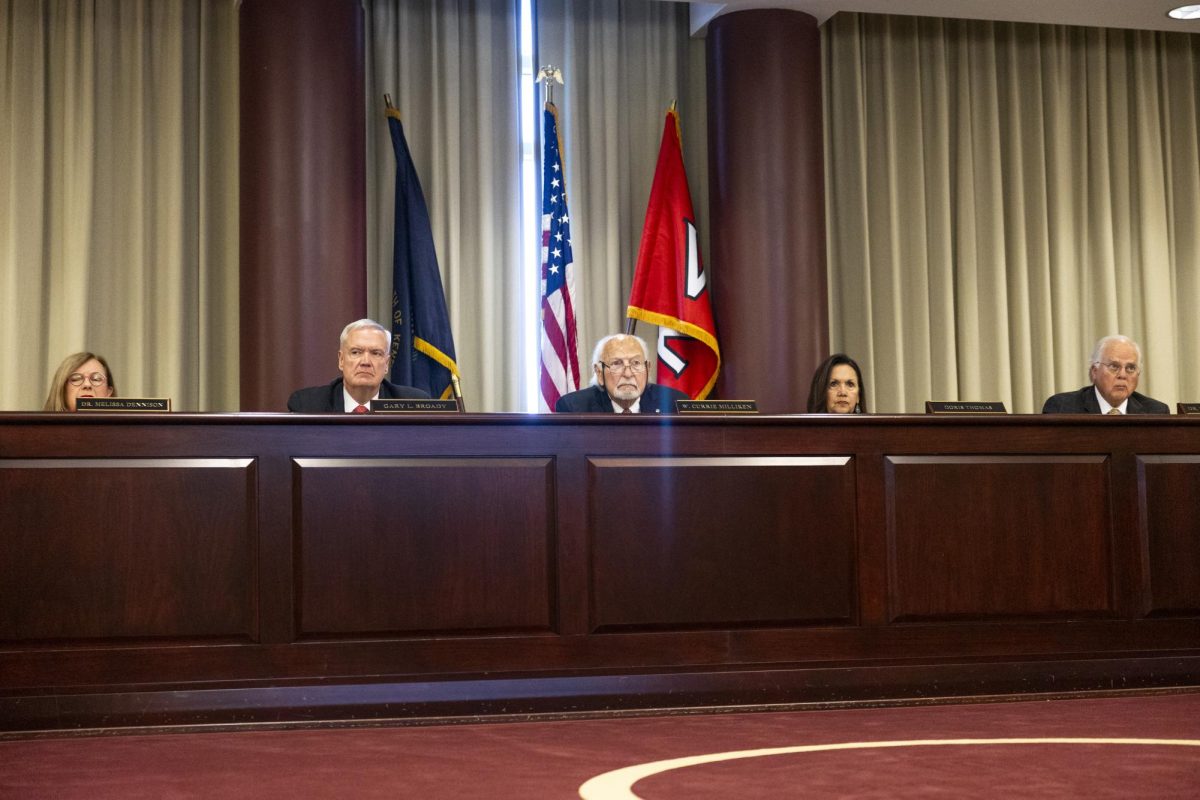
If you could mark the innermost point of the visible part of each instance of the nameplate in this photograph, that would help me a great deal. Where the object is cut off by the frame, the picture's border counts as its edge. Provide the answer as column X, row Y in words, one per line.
column 1188, row 408
column 716, row 406
column 123, row 404
column 957, row 407
column 410, row 405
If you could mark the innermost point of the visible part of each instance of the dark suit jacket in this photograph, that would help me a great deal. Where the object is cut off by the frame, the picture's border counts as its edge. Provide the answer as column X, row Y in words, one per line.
column 655, row 400
column 1084, row 402
column 316, row 399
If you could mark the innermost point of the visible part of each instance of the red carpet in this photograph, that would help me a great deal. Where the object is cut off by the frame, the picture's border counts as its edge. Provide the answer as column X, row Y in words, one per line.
column 552, row 759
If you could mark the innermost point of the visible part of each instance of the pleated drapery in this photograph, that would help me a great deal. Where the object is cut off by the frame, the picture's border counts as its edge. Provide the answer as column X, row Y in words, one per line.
column 623, row 62
column 118, row 196
column 450, row 67
column 1000, row 196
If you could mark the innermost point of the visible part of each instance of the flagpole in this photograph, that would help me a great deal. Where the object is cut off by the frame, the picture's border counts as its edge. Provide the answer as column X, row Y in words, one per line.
column 456, row 390
column 559, row 371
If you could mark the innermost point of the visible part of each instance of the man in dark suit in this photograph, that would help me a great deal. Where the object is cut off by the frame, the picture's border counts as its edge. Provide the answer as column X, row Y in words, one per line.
column 363, row 351
column 619, row 366
column 1115, row 368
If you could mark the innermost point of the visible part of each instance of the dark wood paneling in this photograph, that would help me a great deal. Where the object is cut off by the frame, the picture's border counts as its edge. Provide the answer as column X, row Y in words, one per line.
column 1170, row 533
column 409, row 545
column 715, row 542
column 121, row 548
column 998, row 536
column 390, row 559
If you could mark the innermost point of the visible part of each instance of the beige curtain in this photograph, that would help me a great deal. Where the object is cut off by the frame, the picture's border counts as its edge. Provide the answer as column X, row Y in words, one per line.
column 1001, row 195
column 623, row 62
column 450, row 67
column 118, row 196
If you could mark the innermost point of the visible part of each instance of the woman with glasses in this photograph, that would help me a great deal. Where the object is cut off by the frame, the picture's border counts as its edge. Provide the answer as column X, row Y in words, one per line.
column 79, row 375
column 837, row 387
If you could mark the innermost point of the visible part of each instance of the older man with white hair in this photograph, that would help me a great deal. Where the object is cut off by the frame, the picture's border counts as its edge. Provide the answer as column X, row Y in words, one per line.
column 620, row 364
column 1115, row 368
column 364, row 353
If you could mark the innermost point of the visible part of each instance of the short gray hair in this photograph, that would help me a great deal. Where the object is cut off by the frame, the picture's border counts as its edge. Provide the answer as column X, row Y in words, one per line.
column 360, row 324
column 1115, row 338
column 600, row 345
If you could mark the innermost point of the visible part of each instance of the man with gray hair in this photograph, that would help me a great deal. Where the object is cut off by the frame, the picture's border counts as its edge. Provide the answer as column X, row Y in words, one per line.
column 1115, row 368
column 364, row 349
column 619, row 366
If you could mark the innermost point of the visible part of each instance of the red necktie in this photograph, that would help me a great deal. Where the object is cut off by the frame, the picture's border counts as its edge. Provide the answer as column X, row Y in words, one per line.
column 361, row 409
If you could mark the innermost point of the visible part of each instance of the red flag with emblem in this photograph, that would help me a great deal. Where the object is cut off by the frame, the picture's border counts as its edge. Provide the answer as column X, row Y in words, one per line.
column 670, row 286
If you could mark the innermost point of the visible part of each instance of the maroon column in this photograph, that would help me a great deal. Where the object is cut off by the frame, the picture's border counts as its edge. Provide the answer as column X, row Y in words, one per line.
column 767, row 204
column 303, row 195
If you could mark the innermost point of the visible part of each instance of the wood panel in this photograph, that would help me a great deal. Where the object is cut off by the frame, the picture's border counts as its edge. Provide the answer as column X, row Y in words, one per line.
column 393, row 560
column 705, row 541
column 990, row 536
column 1169, row 532
column 407, row 545
column 107, row 549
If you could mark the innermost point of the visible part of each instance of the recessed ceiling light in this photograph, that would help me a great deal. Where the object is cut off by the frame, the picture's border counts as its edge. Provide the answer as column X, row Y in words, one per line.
column 1185, row 12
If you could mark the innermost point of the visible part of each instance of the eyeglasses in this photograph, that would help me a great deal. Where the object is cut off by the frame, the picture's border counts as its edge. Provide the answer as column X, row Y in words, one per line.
column 95, row 379
column 636, row 366
column 1115, row 368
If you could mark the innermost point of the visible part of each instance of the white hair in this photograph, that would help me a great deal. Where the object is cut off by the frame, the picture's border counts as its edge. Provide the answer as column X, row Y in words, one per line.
column 600, row 345
column 1116, row 338
column 361, row 324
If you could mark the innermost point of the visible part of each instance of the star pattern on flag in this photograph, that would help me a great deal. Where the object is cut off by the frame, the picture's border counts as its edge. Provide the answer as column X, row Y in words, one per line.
column 557, row 224
column 560, row 373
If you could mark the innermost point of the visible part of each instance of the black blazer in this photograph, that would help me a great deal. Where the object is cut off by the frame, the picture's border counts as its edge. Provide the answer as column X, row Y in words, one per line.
column 1084, row 402
column 317, row 399
column 655, row 400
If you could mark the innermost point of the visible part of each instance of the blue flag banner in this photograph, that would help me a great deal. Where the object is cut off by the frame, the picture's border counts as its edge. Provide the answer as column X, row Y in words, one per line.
column 422, row 343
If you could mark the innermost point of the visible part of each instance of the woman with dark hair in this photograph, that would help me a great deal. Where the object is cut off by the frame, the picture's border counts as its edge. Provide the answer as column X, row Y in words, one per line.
column 79, row 375
column 837, row 387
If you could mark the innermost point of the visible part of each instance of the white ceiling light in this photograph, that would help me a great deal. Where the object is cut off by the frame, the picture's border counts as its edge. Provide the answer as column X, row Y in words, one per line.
column 1185, row 12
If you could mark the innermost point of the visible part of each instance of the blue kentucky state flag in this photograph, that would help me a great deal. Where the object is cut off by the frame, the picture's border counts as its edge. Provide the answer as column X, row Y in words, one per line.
column 422, row 343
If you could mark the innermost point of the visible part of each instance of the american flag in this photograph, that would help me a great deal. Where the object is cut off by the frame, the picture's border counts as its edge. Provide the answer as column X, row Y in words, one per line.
column 560, row 360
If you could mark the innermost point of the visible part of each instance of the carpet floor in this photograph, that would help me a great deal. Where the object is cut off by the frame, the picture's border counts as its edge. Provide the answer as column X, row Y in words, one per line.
column 1127, row 747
